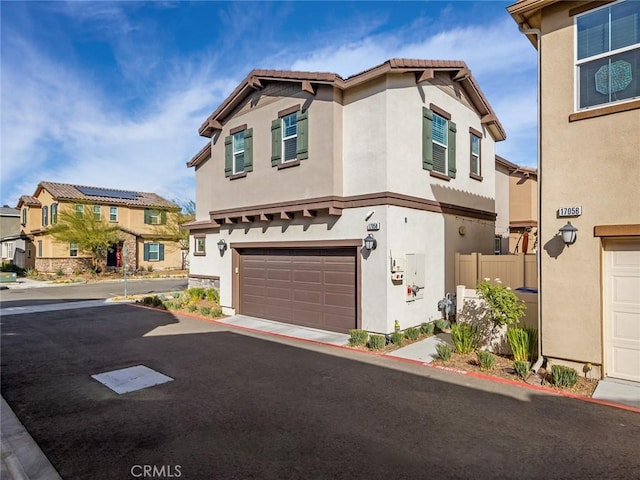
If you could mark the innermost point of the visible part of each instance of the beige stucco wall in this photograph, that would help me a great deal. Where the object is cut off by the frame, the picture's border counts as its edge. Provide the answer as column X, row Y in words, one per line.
column 593, row 163
column 503, row 200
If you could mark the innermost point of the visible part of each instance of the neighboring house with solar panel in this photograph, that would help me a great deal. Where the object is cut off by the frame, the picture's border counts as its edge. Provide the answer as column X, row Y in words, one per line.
column 138, row 215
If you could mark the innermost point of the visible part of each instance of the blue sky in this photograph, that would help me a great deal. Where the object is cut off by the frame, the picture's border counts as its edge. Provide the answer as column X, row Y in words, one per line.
column 112, row 93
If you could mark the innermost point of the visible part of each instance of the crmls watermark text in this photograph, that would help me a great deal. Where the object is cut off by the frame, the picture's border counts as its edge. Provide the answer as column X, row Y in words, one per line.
column 156, row 471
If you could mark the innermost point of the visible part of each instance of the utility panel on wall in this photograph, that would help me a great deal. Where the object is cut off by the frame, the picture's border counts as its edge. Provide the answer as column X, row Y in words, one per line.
column 414, row 276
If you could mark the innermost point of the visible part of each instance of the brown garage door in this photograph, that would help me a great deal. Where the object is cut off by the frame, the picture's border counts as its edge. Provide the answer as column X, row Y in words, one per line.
column 310, row 287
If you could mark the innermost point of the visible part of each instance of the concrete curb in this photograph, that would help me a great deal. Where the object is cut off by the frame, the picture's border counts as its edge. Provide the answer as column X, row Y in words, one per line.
column 22, row 459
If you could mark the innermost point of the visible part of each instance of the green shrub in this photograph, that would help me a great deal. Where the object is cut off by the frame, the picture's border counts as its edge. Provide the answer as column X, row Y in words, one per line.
column 486, row 360
column 519, row 342
column 522, row 368
column 426, row 328
column 205, row 310
column 59, row 272
column 169, row 304
column 397, row 338
column 196, row 293
column 216, row 312
column 441, row 324
column 10, row 267
column 377, row 342
column 533, row 343
column 358, row 336
column 149, row 268
column 411, row 333
column 147, row 300
column 563, row 376
column 444, row 351
column 505, row 308
column 212, row 295
column 464, row 336
column 192, row 308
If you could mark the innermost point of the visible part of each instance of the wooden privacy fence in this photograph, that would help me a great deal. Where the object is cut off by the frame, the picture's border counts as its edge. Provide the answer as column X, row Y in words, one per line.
column 514, row 271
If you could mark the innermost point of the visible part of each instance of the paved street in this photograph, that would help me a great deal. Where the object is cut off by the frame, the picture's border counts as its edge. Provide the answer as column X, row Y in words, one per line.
column 252, row 406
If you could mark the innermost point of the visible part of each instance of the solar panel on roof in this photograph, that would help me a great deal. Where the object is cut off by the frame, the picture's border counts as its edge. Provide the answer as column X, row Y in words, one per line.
column 105, row 192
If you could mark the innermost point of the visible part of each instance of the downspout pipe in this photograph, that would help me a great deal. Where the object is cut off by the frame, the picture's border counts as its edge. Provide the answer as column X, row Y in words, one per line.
column 524, row 28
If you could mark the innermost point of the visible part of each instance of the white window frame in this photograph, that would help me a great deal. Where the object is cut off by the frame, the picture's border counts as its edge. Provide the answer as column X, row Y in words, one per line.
column 97, row 212
column 45, row 216
column 53, row 212
column 154, row 216
column 152, row 252
column 7, row 250
column 79, row 208
column 475, row 155
column 113, row 214
column 237, row 152
column 199, row 247
column 293, row 116
column 579, row 62
column 73, row 249
column 445, row 145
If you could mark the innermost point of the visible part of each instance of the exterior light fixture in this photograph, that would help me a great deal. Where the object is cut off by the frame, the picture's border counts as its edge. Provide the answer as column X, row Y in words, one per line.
column 222, row 246
column 568, row 233
column 370, row 243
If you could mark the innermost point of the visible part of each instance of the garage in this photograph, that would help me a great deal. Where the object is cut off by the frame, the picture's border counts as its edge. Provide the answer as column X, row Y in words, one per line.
column 622, row 309
column 313, row 287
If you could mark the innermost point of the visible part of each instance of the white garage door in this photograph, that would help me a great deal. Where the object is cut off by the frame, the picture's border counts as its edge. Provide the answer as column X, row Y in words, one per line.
column 622, row 309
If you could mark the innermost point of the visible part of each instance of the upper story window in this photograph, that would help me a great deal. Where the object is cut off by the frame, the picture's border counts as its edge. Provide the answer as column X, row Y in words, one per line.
column 438, row 143
column 155, row 217
column 475, row 165
column 45, row 216
column 24, row 216
column 290, row 137
column 54, row 213
column 608, row 54
column 113, row 214
column 97, row 212
column 79, row 210
column 238, row 152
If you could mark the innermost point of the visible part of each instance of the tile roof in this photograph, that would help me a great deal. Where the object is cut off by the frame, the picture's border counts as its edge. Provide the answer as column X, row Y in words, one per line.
column 67, row 191
column 28, row 200
column 254, row 79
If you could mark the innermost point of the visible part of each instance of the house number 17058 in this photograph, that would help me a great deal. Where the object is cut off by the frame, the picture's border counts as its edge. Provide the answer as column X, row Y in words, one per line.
column 569, row 211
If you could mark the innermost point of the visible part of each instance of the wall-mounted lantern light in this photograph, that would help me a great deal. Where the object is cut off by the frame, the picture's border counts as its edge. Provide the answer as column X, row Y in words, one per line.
column 222, row 246
column 568, row 233
column 370, row 243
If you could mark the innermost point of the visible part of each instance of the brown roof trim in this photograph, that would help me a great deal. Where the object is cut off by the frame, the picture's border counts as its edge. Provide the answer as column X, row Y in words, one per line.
column 199, row 225
column 333, row 205
column 202, row 156
column 349, row 242
column 630, row 230
column 503, row 162
column 585, row 7
column 256, row 79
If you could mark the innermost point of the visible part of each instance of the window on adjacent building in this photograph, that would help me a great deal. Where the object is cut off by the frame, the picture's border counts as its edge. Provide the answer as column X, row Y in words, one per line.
column 608, row 54
column 24, row 216
column 155, row 217
column 113, row 214
column 438, row 142
column 289, row 136
column 45, row 216
column 73, row 249
column 7, row 250
column 97, row 212
column 54, row 213
column 475, row 165
column 79, row 210
column 238, row 151
column 153, row 252
column 39, row 248
column 199, row 247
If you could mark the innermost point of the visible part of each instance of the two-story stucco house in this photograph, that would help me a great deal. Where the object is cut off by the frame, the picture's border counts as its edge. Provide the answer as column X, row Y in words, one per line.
column 139, row 217
column 589, row 171
column 339, row 203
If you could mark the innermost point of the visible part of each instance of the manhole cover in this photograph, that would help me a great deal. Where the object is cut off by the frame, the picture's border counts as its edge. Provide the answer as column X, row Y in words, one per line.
column 131, row 379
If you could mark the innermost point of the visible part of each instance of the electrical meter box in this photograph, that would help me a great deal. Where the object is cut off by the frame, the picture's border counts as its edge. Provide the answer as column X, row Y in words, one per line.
column 414, row 276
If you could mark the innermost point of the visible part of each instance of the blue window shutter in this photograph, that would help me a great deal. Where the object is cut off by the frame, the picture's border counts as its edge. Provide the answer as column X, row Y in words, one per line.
column 427, row 139
column 147, row 216
column 276, row 142
column 146, row 252
column 163, row 217
column 452, row 149
column 302, row 147
column 228, row 156
column 161, row 251
column 248, row 150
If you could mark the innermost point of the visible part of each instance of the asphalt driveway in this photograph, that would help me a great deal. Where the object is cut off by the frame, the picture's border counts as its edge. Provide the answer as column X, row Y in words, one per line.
column 246, row 406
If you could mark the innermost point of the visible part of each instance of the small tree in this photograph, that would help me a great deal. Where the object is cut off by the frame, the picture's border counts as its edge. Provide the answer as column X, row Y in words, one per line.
column 172, row 229
column 93, row 235
column 505, row 308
